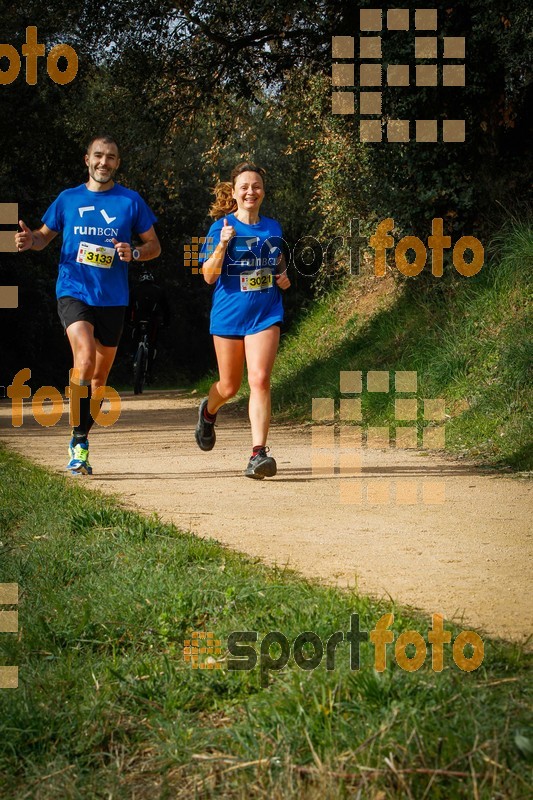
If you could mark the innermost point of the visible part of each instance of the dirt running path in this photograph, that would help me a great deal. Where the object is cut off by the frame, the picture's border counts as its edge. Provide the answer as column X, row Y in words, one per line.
column 468, row 558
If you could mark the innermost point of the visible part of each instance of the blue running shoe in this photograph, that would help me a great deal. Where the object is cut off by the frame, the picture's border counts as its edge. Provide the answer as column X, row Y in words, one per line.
column 79, row 458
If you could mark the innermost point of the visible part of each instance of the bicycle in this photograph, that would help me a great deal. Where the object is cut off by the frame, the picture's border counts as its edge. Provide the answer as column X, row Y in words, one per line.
column 140, row 361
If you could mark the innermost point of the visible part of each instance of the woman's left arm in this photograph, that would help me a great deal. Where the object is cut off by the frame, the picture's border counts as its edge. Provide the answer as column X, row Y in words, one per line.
column 282, row 278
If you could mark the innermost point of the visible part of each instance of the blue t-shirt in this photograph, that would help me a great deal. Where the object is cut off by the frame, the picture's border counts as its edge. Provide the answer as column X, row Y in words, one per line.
column 246, row 298
column 89, row 267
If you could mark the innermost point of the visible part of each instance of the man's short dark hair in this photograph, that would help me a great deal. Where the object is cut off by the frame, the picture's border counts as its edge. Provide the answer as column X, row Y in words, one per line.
column 103, row 137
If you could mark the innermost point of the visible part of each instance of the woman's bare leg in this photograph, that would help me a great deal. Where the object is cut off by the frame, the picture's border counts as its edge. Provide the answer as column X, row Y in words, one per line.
column 230, row 360
column 260, row 349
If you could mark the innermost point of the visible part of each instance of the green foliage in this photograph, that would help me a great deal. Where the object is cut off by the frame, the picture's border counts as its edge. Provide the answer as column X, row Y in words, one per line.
column 337, row 172
column 187, row 88
column 474, row 351
column 415, row 182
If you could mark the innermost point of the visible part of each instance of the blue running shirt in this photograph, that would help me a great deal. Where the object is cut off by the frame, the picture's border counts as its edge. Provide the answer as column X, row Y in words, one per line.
column 246, row 298
column 93, row 219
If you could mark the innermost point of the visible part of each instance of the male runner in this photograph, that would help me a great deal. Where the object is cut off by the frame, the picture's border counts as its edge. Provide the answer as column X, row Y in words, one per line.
column 97, row 220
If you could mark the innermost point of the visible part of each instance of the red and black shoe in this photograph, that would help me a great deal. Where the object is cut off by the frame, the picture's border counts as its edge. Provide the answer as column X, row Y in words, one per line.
column 205, row 431
column 261, row 465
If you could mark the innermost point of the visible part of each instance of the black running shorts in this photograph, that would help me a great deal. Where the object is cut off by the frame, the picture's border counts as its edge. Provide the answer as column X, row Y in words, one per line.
column 107, row 321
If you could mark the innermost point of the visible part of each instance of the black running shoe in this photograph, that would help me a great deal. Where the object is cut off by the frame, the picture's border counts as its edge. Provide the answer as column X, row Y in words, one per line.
column 261, row 465
column 205, row 431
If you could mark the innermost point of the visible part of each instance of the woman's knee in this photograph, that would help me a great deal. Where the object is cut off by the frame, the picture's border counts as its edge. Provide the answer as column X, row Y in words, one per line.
column 228, row 388
column 259, row 380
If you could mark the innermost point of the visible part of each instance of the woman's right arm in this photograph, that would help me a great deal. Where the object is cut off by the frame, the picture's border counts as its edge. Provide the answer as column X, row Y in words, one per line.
column 212, row 267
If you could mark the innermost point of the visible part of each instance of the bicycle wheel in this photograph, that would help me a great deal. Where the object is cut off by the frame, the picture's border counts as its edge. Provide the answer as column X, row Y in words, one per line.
column 139, row 366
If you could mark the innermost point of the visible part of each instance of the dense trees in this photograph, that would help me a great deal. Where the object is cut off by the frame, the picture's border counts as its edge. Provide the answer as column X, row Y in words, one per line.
column 188, row 87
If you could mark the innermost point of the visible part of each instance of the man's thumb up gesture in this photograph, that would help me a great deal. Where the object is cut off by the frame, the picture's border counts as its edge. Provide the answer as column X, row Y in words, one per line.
column 24, row 239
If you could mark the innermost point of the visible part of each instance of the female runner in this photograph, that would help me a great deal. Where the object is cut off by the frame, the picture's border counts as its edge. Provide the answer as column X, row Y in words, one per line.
column 243, row 258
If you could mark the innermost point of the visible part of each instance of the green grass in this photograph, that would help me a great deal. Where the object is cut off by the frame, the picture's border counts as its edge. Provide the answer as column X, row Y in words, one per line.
column 107, row 706
column 468, row 339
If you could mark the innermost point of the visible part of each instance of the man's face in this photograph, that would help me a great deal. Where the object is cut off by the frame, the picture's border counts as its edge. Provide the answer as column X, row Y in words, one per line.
column 102, row 161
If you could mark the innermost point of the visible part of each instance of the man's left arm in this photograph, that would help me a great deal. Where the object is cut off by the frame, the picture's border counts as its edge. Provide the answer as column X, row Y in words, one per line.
column 150, row 247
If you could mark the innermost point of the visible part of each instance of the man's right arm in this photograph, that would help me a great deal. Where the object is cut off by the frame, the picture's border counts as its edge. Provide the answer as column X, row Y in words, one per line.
column 33, row 240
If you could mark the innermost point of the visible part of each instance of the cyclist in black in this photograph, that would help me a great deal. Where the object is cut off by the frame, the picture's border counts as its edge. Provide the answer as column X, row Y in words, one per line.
column 148, row 303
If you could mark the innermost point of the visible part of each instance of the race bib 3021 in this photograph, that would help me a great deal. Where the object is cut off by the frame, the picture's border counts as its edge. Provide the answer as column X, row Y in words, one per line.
column 256, row 280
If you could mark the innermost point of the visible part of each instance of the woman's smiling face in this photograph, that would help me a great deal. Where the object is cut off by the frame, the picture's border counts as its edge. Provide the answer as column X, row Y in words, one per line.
column 249, row 191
